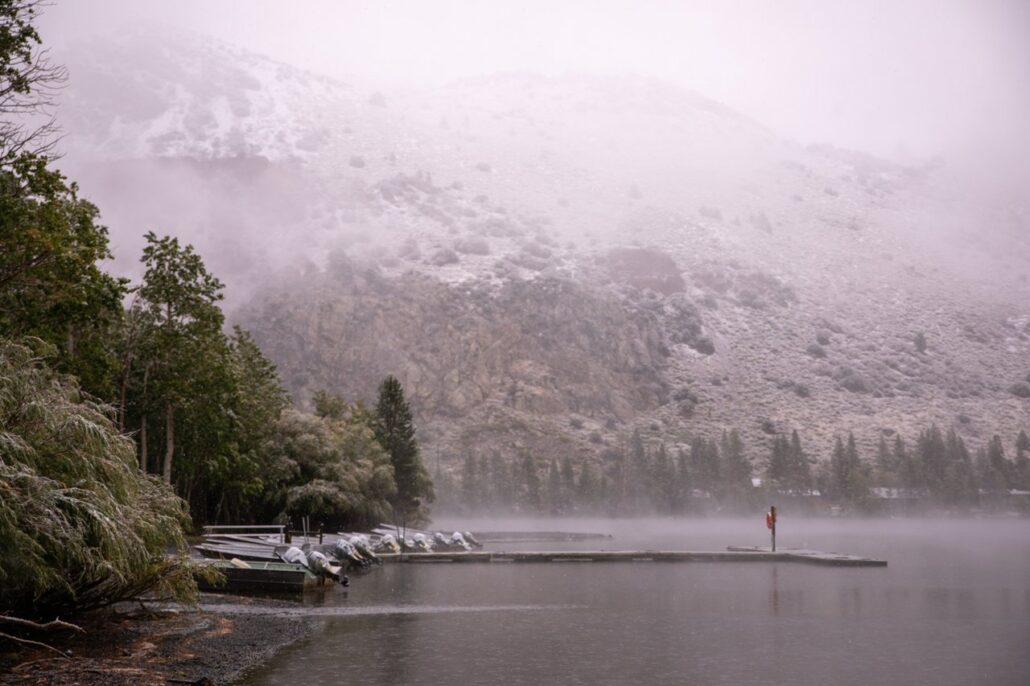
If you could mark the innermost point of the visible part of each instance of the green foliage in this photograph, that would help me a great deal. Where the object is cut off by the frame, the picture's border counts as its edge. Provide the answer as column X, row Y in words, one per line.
column 395, row 431
column 788, row 468
column 181, row 350
column 51, row 286
column 18, row 40
column 329, row 405
column 848, row 482
column 334, row 471
column 80, row 526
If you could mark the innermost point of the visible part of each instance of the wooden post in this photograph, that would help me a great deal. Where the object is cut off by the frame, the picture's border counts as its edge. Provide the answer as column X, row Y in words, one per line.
column 772, row 525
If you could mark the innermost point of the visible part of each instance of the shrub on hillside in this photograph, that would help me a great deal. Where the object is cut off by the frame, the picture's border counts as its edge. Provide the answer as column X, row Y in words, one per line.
column 816, row 350
column 444, row 257
column 472, row 246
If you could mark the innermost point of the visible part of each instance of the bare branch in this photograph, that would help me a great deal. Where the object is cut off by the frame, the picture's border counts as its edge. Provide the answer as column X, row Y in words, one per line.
column 28, row 642
column 55, row 624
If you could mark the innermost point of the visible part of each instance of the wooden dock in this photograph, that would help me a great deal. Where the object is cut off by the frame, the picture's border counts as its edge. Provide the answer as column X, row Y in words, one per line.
column 731, row 554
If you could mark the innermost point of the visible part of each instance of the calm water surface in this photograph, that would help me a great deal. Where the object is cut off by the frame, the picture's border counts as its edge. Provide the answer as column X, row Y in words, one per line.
column 953, row 607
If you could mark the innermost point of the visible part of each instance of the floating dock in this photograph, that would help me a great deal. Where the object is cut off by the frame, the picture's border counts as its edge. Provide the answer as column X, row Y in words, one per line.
column 731, row 554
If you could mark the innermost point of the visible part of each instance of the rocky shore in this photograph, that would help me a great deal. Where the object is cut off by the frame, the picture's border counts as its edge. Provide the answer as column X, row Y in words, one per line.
column 159, row 645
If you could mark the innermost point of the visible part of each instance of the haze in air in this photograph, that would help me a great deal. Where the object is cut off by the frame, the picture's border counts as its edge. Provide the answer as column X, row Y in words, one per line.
column 570, row 281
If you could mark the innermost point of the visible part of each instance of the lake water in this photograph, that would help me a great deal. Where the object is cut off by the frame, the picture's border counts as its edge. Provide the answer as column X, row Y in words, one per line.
column 952, row 607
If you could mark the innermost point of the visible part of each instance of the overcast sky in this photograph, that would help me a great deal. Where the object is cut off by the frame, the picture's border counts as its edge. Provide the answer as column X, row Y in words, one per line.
column 933, row 76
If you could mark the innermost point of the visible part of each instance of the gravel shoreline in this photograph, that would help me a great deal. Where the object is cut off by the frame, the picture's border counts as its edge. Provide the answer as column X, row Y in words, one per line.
column 171, row 644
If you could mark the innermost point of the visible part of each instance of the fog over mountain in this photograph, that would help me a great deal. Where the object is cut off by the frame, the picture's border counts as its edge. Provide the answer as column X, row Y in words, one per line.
column 551, row 258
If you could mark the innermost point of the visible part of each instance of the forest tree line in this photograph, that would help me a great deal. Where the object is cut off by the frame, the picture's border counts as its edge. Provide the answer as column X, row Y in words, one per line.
column 204, row 406
column 706, row 476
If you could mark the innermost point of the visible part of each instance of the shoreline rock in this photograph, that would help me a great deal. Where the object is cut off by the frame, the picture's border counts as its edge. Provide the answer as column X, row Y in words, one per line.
column 170, row 644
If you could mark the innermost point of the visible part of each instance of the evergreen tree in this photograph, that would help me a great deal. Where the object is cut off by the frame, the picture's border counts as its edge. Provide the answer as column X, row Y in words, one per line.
column 664, row 494
column 587, row 490
column 931, row 454
column 530, row 499
column 683, row 481
column 908, row 470
column 471, row 483
column 801, row 472
column 502, row 484
column 329, row 405
column 395, row 431
column 618, row 491
column 555, row 495
column 960, row 479
column 258, row 401
column 568, row 482
column 736, row 469
column 1022, row 466
column 847, row 479
column 485, row 494
column 838, row 471
column 704, row 465
column 778, row 471
column 996, row 455
column 886, row 466
column 638, row 475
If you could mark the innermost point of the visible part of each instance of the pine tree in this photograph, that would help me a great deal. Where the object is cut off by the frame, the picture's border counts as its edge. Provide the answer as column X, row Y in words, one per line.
column 587, row 489
column 530, row 493
column 637, row 476
column 501, row 482
column 471, row 484
column 329, row 405
column 1022, row 466
column 395, row 431
column 736, row 470
column 886, row 467
column 999, row 465
column 838, row 470
column 777, row 473
column 555, row 498
column 568, row 482
column 801, row 471
column 931, row 454
column 664, row 495
column 960, row 478
column 908, row 470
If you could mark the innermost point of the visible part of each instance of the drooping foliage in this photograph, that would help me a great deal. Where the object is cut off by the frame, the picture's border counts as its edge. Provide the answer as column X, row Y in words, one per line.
column 331, row 470
column 80, row 526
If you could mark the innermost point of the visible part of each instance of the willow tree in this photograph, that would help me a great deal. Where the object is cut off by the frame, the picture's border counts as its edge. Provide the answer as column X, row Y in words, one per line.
column 330, row 469
column 80, row 525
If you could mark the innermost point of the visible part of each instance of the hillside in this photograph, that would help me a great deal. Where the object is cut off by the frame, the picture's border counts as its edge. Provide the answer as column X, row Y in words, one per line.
column 550, row 263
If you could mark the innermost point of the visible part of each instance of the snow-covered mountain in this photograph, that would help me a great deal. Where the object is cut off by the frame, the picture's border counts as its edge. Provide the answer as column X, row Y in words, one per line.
column 551, row 262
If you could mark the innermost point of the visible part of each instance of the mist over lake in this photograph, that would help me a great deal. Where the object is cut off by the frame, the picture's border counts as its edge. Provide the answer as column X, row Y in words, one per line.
column 577, row 341
column 952, row 607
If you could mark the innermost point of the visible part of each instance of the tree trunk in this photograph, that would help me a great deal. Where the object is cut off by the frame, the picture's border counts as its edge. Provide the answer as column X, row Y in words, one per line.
column 143, row 445
column 166, row 472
